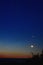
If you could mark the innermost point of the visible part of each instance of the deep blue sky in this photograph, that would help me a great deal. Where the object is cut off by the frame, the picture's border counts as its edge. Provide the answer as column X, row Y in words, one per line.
column 21, row 24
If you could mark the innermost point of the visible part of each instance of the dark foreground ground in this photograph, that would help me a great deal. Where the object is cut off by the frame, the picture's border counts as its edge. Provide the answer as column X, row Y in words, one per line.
column 21, row 61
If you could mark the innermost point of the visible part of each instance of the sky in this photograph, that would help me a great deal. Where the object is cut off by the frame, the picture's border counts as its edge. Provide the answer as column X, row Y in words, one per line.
column 21, row 25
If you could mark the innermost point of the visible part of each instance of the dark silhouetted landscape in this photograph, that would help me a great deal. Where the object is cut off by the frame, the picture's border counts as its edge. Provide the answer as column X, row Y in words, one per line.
column 35, row 60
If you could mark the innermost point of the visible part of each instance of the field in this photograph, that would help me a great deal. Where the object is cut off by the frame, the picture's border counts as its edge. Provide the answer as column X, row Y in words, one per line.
column 19, row 61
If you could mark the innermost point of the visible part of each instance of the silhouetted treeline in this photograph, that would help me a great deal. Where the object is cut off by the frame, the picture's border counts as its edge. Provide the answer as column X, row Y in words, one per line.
column 35, row 60
column 37, row 56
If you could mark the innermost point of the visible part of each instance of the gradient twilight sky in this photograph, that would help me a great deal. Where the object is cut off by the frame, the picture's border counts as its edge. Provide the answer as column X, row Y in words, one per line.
column 21, row 25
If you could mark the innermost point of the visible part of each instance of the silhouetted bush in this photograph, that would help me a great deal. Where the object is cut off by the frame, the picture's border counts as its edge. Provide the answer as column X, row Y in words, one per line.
column 41, row 55
column 37, row 56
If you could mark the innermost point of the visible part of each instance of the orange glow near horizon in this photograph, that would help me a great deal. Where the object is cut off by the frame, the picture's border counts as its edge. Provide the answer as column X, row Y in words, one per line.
column 14, row 55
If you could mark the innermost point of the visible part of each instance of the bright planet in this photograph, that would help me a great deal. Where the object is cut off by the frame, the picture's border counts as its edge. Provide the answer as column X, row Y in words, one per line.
column 32, row 46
